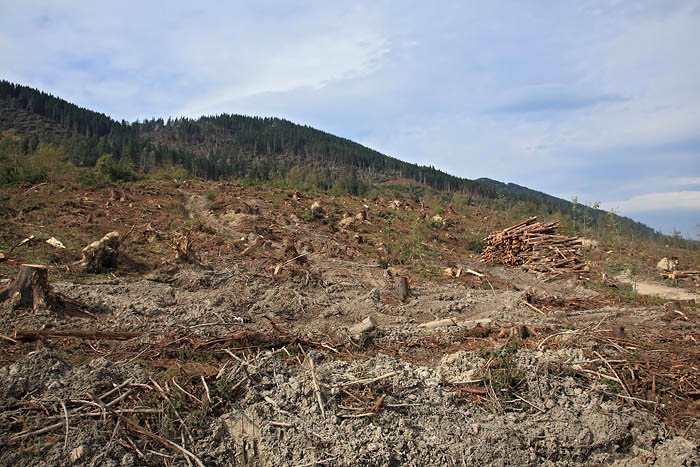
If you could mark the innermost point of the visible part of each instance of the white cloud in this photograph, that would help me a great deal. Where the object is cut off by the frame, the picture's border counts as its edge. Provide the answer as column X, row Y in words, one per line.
column 598, row 100
column 672, row 200
column 686, row 181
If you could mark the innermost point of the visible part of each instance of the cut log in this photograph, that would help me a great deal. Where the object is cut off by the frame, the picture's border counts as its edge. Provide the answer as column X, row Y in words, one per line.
column 36, row 334
column 31, row 289
column 440, row 323
column 401, row 286
column 536, row 246
column 366, row 325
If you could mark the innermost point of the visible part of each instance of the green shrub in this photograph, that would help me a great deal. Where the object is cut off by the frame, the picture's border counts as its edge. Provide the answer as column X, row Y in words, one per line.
column 173, row 172
column 115, row 171
column 475, row 242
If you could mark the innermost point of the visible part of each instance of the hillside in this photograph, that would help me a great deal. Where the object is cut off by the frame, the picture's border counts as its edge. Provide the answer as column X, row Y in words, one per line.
column 272, row 317
column 254, row 148
column 238, row 307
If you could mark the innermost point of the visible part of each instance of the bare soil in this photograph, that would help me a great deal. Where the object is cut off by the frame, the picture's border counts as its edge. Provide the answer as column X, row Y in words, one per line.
column 238, row 365
column 655, row 289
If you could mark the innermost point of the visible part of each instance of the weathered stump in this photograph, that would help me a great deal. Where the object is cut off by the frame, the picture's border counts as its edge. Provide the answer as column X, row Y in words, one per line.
column 102, row 254
column 401, row 286
column 184, row 248
column 31, row 289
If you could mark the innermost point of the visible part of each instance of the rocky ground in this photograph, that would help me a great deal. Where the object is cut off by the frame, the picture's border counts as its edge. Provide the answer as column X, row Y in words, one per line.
column 248, row 356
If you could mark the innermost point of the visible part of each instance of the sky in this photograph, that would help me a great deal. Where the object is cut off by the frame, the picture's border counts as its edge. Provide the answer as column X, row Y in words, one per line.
column 594, row 99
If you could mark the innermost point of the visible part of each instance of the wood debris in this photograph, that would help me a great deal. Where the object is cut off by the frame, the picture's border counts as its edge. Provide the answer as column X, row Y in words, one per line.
column 38, row 334
column 681, row 275
column 366, row 325
column 536, row 246
column 54, row 242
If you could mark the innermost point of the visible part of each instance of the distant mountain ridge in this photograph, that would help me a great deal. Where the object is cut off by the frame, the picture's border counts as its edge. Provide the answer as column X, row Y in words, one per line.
column 239, row 146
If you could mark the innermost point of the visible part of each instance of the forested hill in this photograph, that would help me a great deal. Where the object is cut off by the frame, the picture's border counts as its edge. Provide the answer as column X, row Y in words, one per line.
column 237, row 146
column 211, row 147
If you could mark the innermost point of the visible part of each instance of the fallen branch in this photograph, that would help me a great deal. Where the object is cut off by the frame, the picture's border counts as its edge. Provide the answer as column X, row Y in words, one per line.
column 281, row 424
column 317, row 390
column 359, row 415
column 622, row 382
column 37, row 334
column 185, row 392
column 165, row 442
column 29, row 434
column 9, row 339
column 368, row 380
column 529, row 403
column 65, row 412
column 535, row 308
column 279, row 267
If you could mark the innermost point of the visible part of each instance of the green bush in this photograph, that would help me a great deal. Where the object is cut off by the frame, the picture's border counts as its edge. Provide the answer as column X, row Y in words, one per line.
column 173, row 172
column 475, row 242
column 45, row 162
column 115, row 171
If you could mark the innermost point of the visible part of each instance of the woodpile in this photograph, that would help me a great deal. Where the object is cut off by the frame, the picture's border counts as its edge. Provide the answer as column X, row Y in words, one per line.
column 681, row 275
column 536, row 246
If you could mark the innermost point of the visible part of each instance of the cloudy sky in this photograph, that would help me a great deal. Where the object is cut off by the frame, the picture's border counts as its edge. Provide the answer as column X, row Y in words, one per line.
column 594, row 99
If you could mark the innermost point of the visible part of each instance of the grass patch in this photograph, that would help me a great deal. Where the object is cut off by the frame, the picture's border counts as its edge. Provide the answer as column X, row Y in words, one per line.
column 501, row 370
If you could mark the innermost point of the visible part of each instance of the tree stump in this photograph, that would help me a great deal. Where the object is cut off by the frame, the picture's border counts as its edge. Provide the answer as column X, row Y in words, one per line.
column 31, row 289
column 102, row 254
column 184, row 248
column 401, row 286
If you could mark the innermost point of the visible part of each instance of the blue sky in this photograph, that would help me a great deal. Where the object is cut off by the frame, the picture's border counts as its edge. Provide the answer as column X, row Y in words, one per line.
column 594, row 99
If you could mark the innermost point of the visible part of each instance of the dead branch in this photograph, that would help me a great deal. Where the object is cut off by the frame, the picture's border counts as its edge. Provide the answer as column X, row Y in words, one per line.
column 37, row 334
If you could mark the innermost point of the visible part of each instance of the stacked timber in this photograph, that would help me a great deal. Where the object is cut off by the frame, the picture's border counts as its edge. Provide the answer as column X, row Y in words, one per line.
column 536, row 246
column 674, row 275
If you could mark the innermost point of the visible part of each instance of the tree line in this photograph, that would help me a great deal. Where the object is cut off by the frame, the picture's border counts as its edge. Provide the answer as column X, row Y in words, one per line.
column 259, row 149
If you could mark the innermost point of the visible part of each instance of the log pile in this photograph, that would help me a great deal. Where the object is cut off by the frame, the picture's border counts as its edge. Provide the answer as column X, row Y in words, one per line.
column 674, row 275
column 536, row 246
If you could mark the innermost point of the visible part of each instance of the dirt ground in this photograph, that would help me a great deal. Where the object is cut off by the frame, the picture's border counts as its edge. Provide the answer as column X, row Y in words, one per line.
column 651, row 288
column 247, row 354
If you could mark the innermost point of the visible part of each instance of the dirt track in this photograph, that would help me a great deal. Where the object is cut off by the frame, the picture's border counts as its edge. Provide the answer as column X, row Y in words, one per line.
column 654, row 289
